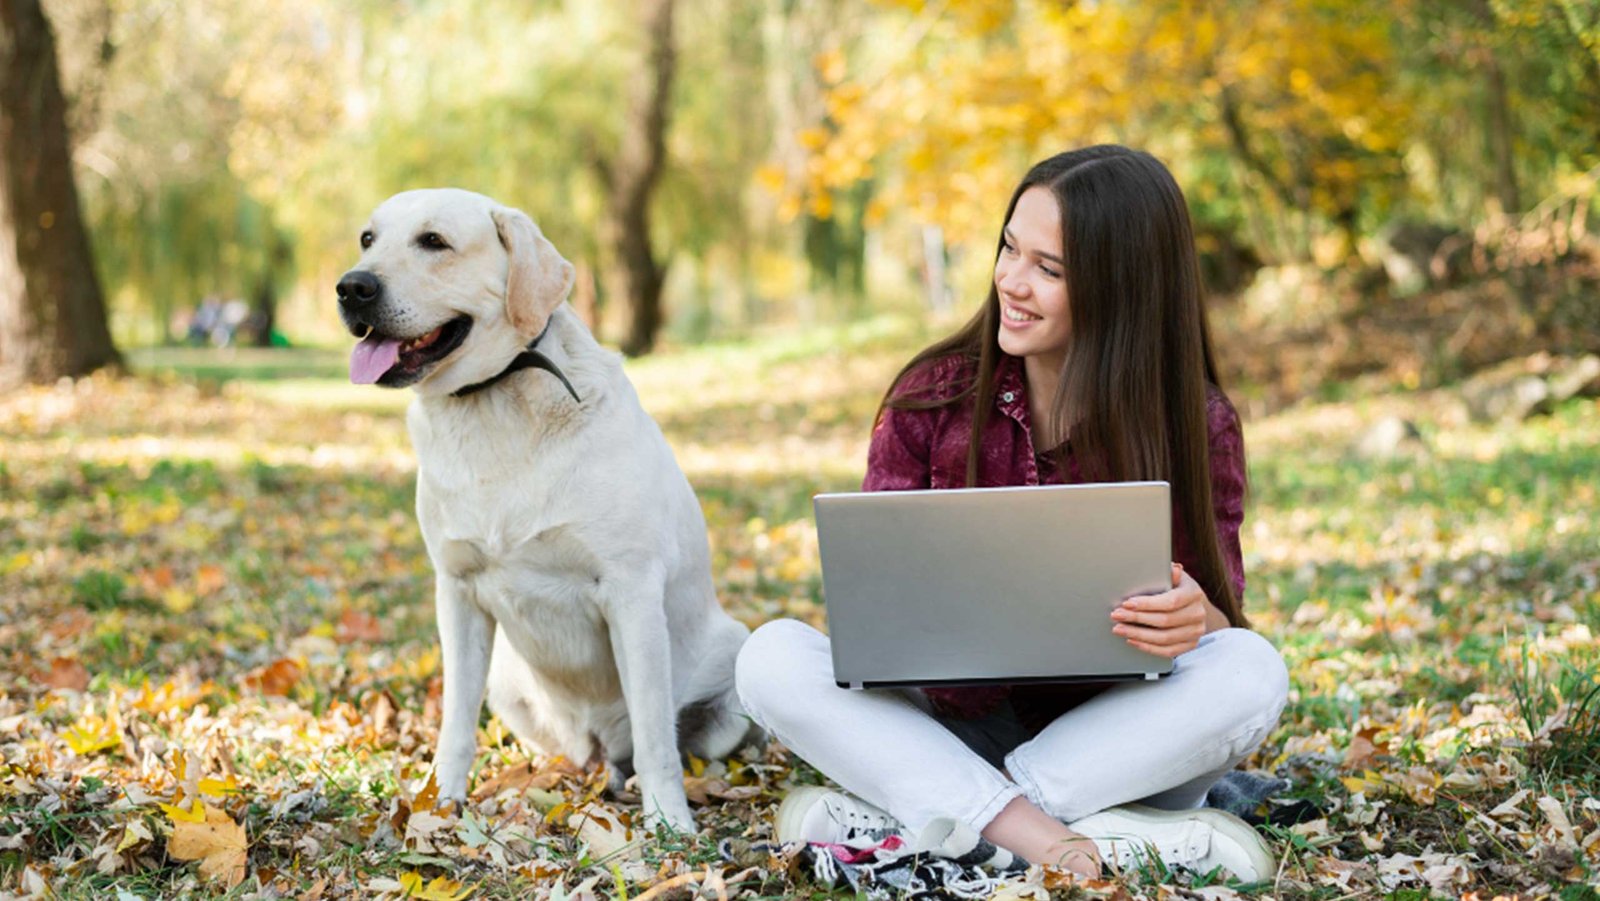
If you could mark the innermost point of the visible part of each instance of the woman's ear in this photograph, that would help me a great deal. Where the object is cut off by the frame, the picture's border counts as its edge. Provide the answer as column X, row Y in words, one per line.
column 538, row 277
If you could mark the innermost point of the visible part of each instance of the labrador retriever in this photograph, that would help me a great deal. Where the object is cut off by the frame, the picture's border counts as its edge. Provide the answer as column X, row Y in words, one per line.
column 572, row 572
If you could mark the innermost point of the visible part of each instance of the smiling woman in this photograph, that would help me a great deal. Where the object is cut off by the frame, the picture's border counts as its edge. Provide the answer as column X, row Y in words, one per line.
column 1090, row 360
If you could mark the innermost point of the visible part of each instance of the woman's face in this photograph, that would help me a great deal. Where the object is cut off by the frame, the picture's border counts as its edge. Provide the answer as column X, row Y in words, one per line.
column 1030, row 277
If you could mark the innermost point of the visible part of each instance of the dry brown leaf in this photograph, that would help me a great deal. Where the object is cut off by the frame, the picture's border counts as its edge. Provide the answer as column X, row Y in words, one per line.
column 357, row 625
column 218, row 843
column 156, row 581
column 66, row 672
column 276, row 678
column 209, row 579
column 521, row 777
column 1557, row 818
column 380, row 711
column 1363, row 748
column 605, row 833
column 70, row 625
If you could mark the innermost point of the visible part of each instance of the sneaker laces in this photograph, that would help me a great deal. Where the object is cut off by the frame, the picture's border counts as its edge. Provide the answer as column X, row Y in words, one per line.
column 1186, row 846
column 862, row 825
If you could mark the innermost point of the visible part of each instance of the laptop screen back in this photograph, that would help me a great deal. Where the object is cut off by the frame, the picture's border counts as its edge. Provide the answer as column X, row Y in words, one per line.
column 970, row 586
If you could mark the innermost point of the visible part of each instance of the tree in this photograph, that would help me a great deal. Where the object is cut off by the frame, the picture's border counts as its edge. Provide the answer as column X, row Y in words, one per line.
column 52, row 314
column 629, row 178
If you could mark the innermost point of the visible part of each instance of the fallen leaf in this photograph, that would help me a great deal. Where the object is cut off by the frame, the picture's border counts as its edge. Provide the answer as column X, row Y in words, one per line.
column 134, row 833
column 522, row 777
column 92, row 734
column 70, row 625
column 1510, row 807
column 209, row 579
column 218, row 843
column 216, row 788
column 1362, row 749
column 604, row 832
column 66, row 672
column 276, row 678
column 1557, row 818
column 195, row 812
column 357, row 625
column 440, row 889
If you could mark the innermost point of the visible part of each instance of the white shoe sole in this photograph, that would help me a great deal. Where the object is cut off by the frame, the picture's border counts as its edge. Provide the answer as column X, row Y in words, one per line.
column 1222, row 823
column 792, row 812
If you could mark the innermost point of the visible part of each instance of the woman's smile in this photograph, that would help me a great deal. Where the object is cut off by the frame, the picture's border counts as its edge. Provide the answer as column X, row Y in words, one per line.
column 1016, row 317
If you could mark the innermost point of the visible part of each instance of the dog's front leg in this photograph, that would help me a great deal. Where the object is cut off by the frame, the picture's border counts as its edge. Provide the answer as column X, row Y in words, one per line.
column 466, row 638
column 641, row 645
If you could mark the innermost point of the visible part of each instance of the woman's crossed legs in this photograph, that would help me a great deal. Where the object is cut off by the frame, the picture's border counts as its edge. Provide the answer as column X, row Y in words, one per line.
column 1163, row 743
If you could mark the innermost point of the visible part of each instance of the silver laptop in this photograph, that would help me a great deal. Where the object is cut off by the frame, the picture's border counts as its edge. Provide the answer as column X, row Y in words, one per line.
column 983, row 585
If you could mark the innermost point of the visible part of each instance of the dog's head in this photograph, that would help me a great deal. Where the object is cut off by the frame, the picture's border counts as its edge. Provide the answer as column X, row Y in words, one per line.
column 450, row 287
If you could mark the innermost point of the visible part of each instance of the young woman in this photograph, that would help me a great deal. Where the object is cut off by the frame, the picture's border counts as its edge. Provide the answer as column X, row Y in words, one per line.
column 1089, row 361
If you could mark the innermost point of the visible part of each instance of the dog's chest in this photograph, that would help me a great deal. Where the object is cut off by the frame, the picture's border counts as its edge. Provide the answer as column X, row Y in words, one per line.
column 535, row 574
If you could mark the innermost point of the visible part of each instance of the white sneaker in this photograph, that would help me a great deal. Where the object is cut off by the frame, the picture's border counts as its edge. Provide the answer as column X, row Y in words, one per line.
column 1200, row 840
column 815, row 814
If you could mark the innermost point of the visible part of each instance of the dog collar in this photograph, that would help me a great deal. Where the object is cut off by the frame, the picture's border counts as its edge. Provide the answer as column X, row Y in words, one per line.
column 529, row 358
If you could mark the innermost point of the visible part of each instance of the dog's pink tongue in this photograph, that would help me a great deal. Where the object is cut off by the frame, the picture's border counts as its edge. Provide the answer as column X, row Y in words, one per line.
column 372, row 358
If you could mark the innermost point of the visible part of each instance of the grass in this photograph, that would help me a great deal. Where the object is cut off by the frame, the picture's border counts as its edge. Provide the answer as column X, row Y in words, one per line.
column 216, row 561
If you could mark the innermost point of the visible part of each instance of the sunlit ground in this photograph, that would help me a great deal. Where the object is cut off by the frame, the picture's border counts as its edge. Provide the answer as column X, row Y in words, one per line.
column 220, row 558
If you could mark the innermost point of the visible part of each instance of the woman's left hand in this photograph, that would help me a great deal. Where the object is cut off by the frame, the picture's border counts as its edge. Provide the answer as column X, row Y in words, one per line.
column 1169, row 623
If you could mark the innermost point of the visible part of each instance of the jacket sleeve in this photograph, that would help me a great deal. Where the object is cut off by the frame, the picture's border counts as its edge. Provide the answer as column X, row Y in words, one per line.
column 898, row 457
column 1228, row 486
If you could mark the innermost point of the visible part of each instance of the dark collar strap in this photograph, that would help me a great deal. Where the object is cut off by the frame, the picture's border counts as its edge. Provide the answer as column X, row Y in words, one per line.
column 529, row 358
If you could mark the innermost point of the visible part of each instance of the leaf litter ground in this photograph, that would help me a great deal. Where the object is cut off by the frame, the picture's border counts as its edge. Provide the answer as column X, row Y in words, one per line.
column 220, row 674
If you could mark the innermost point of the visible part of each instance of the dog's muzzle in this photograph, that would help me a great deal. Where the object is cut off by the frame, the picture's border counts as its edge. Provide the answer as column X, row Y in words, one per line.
column 359, row 293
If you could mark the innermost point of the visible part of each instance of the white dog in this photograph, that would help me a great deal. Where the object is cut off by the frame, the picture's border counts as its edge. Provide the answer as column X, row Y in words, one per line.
column 562, row 533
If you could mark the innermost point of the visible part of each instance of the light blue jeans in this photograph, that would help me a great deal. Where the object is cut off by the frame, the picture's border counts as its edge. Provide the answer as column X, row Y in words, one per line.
column 1162, row 743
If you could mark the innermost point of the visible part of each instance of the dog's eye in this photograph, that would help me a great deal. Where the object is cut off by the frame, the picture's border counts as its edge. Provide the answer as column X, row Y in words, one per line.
column 366, row 240
column 432, row 241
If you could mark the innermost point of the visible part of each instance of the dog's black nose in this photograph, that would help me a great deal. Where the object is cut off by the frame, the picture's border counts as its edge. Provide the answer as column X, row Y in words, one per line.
column 358, row 288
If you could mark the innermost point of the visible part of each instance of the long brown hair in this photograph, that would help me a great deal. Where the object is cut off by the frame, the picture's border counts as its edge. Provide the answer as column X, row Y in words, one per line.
column 1139, row 360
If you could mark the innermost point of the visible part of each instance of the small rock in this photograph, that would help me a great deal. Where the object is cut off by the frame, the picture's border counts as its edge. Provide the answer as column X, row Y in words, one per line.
column 1513, row 391
column 1389, row 437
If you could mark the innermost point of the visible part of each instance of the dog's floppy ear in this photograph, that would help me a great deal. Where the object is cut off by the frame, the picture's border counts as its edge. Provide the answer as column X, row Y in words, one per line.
column 539, row 277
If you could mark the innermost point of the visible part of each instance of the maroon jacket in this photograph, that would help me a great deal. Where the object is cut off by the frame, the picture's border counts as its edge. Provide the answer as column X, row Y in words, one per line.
column 914, row 449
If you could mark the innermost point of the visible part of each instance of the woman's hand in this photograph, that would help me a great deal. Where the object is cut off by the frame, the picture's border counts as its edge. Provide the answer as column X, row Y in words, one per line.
column 1169, row 623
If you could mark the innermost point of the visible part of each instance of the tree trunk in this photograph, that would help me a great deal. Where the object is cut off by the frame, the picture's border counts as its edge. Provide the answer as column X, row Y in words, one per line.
column 631, row 176
column 1500, row 131
column 52, row 314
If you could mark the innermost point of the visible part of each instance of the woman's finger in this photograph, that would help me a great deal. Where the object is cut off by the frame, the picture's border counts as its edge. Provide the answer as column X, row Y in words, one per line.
column 1158, row 637
column 1177, row 619
column 1165, row 601
column 1159, row 613
column 1164, row 650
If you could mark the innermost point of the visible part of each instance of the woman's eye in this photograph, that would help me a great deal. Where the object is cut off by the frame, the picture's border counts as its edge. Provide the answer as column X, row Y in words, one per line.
column 1008, row 247
column 366, row 240
column 1049, row 273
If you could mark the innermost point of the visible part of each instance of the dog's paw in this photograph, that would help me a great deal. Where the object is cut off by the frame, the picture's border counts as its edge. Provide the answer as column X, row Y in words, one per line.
column 673, row 818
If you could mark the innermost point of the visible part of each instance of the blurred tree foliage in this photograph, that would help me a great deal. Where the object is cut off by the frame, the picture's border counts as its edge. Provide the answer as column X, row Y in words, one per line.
column 232, row 148
column 1297, row 121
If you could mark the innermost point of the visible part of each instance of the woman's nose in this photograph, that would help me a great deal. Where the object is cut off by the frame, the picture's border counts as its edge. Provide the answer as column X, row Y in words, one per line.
column 1009, row 282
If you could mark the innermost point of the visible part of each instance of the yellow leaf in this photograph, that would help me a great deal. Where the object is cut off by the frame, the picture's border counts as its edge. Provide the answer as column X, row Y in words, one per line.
column 195, row 814
column 177, row 600
column 218, row 843
column 92, row 733
column 18, row 562
column 216, row 788
column 134, row 833
column 1367, row 783
column 440, row 889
